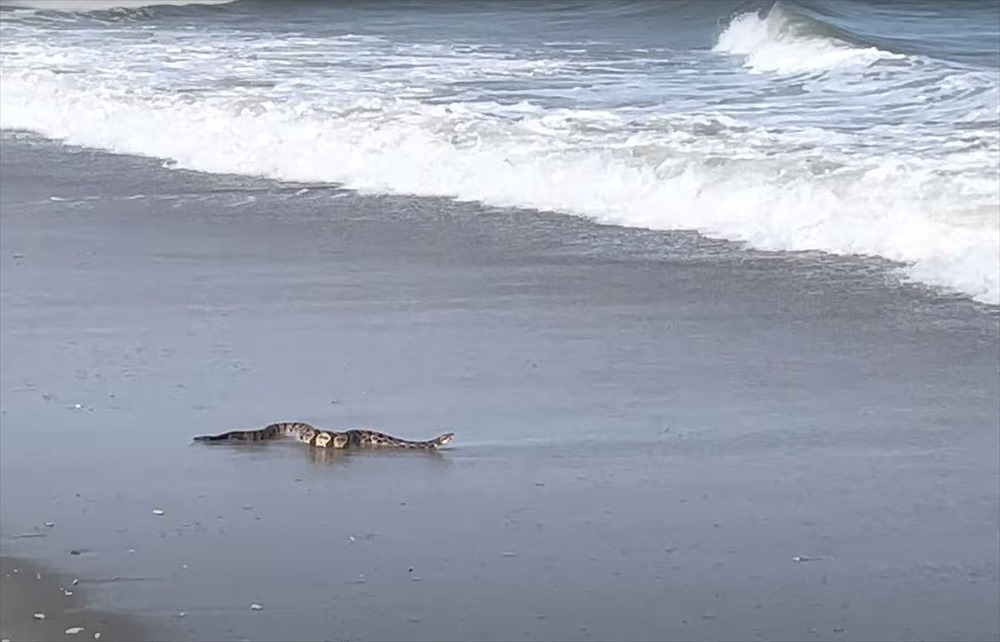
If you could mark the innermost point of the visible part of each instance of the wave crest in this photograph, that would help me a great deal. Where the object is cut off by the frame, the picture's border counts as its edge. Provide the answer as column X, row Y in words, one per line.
column 778, row 41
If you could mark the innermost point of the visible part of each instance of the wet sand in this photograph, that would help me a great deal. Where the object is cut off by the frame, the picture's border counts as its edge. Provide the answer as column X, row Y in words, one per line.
column 28, row 590
column 658, row 436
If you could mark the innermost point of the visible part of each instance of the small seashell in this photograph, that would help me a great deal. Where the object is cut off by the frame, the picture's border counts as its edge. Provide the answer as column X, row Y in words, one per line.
column 181, row 614
column 39, row 616
column 255, row 607
column 75, row 582
column 50, row 524
column 73, row 630
column 97, row 635
column 38, row 576
column 157, row 511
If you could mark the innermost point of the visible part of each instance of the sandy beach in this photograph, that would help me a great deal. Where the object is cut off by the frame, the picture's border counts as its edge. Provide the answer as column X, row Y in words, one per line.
column 36, row 606
column 659, row 436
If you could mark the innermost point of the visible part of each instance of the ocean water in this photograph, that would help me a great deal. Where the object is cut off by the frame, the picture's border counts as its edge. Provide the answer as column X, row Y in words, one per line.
column 847, row 126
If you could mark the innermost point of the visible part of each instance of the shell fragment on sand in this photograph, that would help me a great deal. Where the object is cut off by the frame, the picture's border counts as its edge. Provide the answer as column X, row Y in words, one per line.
column 73, row 630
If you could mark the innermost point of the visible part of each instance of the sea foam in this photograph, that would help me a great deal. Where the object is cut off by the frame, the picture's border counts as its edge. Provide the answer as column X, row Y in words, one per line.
column 783, row 186
column 776, row 42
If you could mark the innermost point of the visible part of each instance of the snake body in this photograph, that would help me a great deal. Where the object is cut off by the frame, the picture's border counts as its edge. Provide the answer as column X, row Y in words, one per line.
column 308, row 434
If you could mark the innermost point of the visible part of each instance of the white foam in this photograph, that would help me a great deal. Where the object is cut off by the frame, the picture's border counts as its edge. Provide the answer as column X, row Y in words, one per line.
column 772, row 43
column 930, row 203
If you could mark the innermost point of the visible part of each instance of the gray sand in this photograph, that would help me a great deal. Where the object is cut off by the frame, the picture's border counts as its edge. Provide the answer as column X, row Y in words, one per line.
column 27, row 589
column 651, row 427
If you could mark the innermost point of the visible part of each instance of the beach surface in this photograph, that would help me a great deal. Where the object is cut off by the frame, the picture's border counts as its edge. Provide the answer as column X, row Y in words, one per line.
column 36, row 606
column 658, row 436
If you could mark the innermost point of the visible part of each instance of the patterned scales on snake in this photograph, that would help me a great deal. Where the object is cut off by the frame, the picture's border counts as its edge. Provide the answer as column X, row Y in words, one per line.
column 326, row 438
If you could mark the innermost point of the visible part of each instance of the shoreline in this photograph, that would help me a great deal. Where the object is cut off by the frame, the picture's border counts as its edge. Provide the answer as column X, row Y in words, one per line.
column 864, row 268
column 28, row 588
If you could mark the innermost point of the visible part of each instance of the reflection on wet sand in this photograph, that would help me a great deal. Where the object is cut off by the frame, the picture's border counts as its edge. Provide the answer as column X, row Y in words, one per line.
column 325, row 456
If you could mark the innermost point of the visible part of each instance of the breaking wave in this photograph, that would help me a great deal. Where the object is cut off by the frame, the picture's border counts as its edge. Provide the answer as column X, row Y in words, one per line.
column 817, row 167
